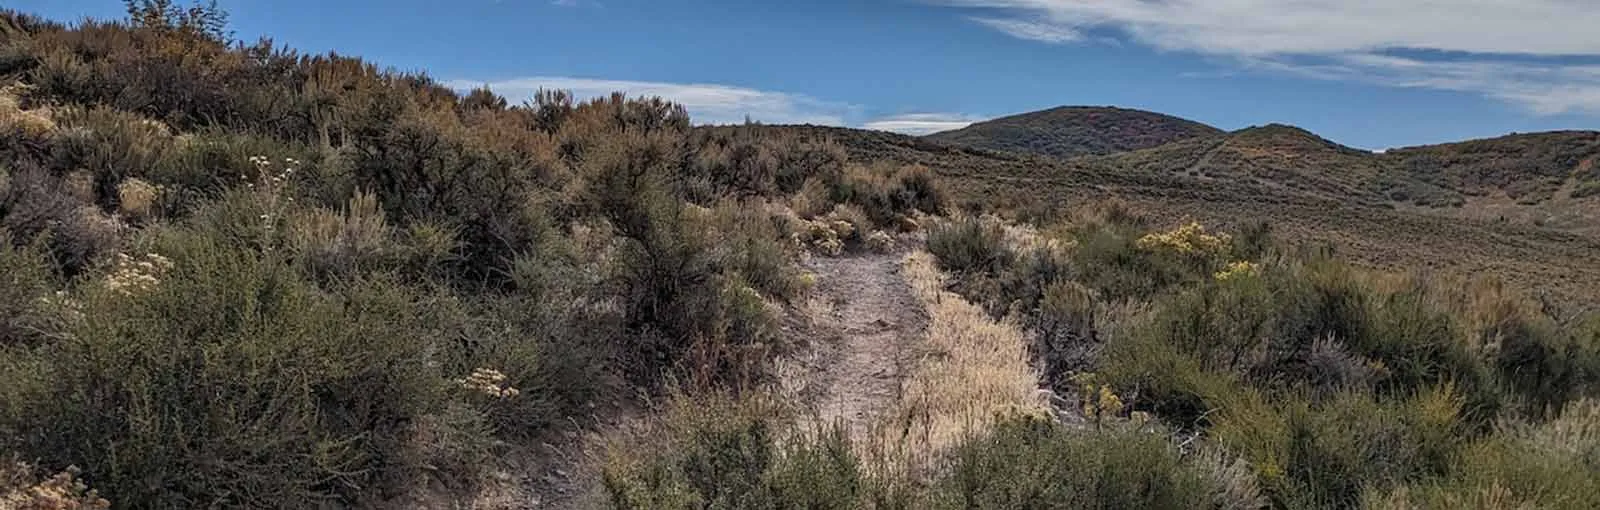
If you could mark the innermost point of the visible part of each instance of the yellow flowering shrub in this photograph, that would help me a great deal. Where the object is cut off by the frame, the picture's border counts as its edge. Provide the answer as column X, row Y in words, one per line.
column 1238, row 269
column 1190, row 239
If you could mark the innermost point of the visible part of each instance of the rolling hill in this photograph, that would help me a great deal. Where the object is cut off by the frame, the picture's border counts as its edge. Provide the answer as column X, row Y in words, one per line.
column 1076, row 131
column 1394, row 210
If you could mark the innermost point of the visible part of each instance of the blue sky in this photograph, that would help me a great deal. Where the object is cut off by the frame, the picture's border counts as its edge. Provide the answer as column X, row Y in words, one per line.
column 1367, row 73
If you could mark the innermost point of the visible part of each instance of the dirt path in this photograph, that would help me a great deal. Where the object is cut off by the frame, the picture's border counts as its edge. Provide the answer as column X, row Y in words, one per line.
column 864, row 322
column 860, row 326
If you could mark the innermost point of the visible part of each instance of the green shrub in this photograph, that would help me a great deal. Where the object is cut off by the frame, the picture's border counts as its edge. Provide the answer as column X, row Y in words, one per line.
column 229, row 380
column 1543, row 363
column 969, row 244
column 1109, row 260
column 1548, row 465
column 200, row 167
column 1035, row 464
column 25, row 288
column 1587, row 189
column 721, row 453
column 111, row 145
column 1067, row 334
column 888, row 193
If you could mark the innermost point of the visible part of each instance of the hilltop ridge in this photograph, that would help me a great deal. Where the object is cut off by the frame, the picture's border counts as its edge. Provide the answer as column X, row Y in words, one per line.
column 1076, row 131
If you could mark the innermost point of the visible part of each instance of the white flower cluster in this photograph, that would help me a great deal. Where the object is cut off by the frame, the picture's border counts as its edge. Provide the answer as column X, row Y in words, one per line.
column 272, row 183
column 489, row 382
column 134, row 275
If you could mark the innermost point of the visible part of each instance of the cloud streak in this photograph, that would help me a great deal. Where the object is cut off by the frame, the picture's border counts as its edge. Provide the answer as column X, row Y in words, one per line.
column 921, row 123
column 1042, row 32
column 1526, row 52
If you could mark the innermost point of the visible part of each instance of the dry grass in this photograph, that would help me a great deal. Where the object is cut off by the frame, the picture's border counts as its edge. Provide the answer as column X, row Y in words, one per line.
column 136, row 199
column 19, row 490
column 33, row 123
column 974, row 371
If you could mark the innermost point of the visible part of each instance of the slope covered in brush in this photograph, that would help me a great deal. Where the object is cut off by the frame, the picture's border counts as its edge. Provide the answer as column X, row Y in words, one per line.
column 1075, row 131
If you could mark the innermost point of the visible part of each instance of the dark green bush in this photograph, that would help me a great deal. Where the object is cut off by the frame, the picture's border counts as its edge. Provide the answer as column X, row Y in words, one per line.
column 1035, row 464
column 233, row 382
column 725, row 454
column 1548, row 465
column 969, row 245
column 24, row 283
column 888, row 193
column 111, row 145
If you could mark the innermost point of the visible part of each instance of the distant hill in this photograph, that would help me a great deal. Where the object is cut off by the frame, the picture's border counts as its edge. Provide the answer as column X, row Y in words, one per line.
column 1387, row 210
column 1528, row 168
column 1290, row 159
column 1076, row 131
column 1520, row 176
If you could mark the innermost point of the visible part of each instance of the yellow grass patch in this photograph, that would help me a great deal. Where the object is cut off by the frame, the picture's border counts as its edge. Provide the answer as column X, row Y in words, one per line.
column 35, row 123
column 974, row 370
column 136, row 198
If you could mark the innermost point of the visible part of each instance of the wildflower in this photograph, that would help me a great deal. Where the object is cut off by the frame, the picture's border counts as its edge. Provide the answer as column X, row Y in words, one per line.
column 132, row 276
column 1238, row 269
column 1189, row 239
column 1100, row 402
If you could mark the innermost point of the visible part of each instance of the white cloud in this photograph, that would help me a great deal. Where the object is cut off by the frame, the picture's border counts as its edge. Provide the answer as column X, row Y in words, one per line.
column 1542, row 88
column 1042, row 32
column 921, row 123
column 1496, row 48
column 707, row 103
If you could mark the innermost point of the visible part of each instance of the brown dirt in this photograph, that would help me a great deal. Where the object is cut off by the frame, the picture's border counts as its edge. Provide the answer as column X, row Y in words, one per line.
column 863, row 325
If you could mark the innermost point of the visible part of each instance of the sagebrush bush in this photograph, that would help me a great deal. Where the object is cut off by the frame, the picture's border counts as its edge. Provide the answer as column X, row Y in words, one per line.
column 1035, row 464
column 24, row 287
column 1548, row 465
column 166, row 392
column 1334, row 387
column 112, row 145
column 723, row 453
column 887, row 193
column 969, row 244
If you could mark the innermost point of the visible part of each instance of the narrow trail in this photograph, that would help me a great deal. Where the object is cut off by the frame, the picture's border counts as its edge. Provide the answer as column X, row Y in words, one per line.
column 863, row 327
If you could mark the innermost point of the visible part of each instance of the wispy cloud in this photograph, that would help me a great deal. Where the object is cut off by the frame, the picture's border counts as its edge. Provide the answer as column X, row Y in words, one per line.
column 707, row 103
column 1540, row 87
column 1023, row 29
column 921, row 123
column 1532, row 53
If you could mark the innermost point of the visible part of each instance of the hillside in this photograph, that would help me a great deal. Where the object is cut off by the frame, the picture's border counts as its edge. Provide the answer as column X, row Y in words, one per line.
column 1075, row 131
column 1526, row 167
column 1287, row 158
column 1312, row 189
